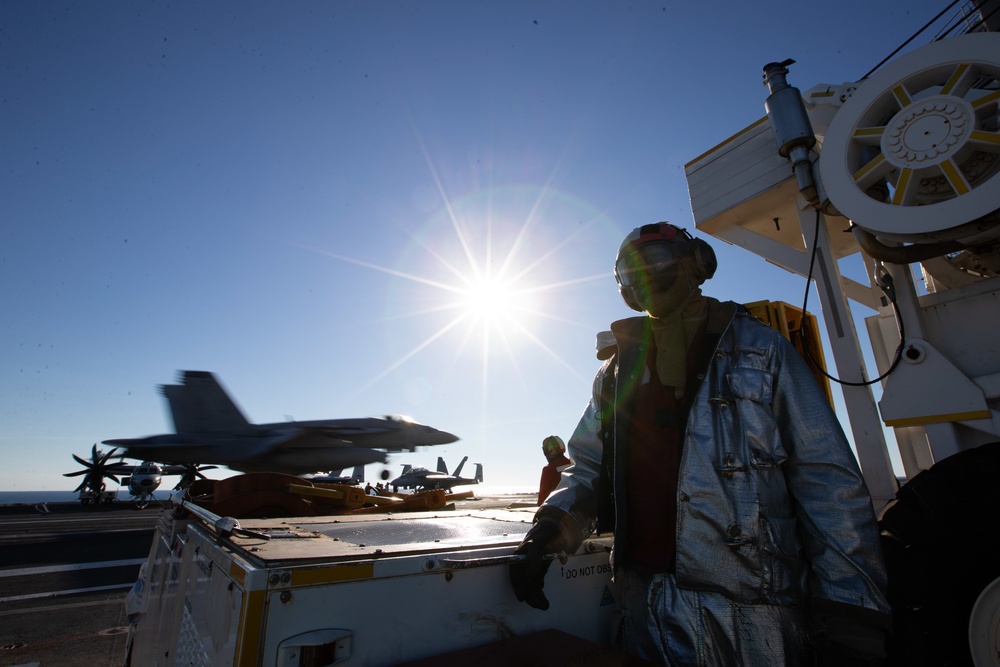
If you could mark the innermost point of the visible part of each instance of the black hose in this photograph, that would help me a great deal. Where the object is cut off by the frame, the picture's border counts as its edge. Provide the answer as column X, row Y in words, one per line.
column 890, row 294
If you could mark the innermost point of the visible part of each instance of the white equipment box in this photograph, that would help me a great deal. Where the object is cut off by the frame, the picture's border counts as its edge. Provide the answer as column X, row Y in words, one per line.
column 354, row 590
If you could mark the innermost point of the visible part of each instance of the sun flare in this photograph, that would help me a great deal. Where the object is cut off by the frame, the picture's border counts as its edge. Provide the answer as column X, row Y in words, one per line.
column 492, row 300
column 493, row 257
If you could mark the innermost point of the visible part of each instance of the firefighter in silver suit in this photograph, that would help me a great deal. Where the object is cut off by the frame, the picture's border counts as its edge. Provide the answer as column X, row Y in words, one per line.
column 743, row 531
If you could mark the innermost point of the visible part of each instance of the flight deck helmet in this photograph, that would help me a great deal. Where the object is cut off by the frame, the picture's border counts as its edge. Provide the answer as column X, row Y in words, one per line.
column 651, row 251
column 553, row 447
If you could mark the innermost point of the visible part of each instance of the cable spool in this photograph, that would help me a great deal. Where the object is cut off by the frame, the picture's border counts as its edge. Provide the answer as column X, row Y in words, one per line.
column 914, row 155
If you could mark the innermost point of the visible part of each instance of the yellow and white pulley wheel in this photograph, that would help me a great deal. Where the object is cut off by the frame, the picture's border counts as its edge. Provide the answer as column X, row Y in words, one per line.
column 915, row 151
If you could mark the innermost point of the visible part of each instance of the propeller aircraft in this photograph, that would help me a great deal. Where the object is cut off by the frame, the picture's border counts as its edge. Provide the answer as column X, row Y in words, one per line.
column 141, row 480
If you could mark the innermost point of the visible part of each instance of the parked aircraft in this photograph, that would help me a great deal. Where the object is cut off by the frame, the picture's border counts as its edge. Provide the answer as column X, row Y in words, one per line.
column 141, row 480
column 422, row 478
column 210, row 428
column 357, row 476
column 95, row 471
column 145, row 478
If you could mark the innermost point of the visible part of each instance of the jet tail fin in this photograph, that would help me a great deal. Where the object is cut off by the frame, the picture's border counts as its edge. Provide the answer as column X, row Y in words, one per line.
column 458, row 470
column 359, row 473
column 442, row 468
column 200, row 405
column 479, row 473
column 180, row 406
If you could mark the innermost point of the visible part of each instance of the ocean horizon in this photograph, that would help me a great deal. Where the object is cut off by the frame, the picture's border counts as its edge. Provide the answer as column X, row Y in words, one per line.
column 35, row 497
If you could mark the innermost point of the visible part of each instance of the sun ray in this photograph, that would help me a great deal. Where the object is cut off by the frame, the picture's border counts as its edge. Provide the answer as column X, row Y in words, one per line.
column 436, row 255
column 486, row 368
column 564, row 283
column 562, row 362
column 448, row 205
column 399, row 362
column 383, row 269
column 430, row 310
column 529, row 219
column 551, row 252
column 514, row 364
column 459, row 350
column 545, row 314
column 528, row 222
column 519, row 237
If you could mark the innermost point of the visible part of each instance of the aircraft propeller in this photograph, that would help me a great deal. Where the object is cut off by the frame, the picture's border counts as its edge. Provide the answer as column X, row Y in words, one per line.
column 95, row 470
column 191, row 473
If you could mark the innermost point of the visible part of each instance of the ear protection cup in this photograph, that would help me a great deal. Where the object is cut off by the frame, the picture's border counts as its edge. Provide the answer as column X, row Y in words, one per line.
column 703, row 255
column 705, row 262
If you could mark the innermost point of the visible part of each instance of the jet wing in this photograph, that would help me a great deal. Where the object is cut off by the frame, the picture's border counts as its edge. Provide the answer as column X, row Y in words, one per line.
column 309, row 437
column 264, row 445
column 348, row 428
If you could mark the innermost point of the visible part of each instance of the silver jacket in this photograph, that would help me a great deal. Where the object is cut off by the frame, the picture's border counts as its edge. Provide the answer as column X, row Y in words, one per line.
column 772, row 508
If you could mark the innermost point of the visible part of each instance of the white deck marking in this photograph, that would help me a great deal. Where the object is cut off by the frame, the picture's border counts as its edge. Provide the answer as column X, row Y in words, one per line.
column 72, row 591
column 71, row 567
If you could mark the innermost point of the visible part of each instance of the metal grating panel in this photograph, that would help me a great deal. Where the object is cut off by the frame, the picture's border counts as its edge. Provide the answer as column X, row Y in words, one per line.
column 190, row 651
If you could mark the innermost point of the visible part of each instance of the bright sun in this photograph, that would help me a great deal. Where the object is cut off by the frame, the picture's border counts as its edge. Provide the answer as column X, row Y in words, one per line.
column 490, row 300
column 495, row 299
column 495, row 283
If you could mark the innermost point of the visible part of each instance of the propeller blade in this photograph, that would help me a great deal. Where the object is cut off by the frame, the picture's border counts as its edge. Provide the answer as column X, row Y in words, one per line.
column 96, row 470
column 83, row 462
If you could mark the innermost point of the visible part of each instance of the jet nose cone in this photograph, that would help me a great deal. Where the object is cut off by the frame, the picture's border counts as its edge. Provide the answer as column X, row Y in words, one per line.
column 433, row 436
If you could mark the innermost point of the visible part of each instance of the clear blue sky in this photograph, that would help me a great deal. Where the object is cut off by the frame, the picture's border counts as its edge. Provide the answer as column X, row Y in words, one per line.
column 289, row 194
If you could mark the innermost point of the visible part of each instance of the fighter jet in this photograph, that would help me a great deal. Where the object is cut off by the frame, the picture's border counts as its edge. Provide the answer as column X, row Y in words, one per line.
column 210, row 428
column 357, row 476
column 422, row 478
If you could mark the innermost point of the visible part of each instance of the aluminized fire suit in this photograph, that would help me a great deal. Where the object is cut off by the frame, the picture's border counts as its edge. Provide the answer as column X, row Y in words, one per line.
column 773, row 518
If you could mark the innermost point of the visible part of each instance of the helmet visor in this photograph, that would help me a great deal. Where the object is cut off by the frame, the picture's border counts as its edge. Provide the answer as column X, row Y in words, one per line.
column 553, row 446
column 648, row 261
